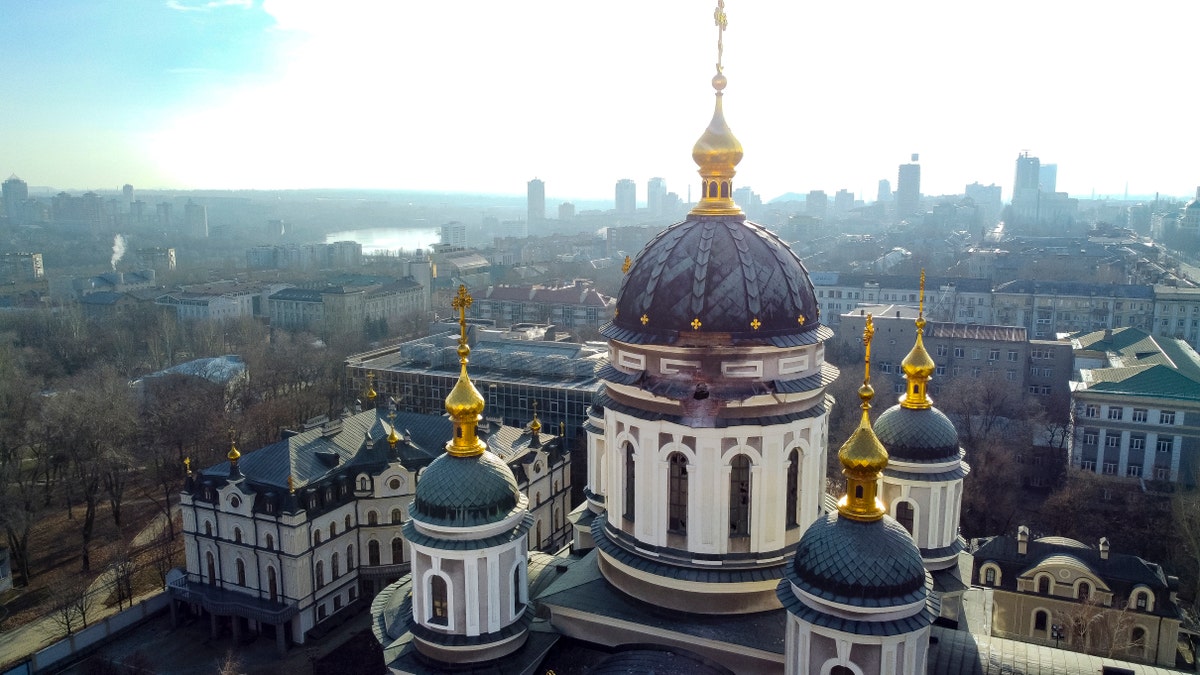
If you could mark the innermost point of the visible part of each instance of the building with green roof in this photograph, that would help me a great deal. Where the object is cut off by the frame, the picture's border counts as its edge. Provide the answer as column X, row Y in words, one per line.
column 1136, row 406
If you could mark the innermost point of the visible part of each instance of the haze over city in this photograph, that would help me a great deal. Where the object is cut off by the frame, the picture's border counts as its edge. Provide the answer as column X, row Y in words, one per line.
column 479, row 97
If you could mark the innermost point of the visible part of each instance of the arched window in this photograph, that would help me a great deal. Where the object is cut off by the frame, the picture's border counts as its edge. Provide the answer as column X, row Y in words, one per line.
column 373, row 552
column 630, row 481
column 1044, row 585
column 516, row 591
column 317, row 538
column 332, row 530
column 207, row 529
column 241, row 572
column 397, row 551
column 364, row 483
column 537, row 500
column 437, row 601
column 212, row 569
column 347, row 522
column 334, row 567
column 396, row 516
column 1085, row 591
column 793, row 487
column 739, row 496
column 989, row 576
column 320, row 574
column 272, row 584
column 1137, row 641
column 350, row 557
column 237, row 534
column 1040, row 619
column 1141, row 600
column 270, row 543
column 904, row 515
column 840, row 670
column 678, row 500
column 372, row 518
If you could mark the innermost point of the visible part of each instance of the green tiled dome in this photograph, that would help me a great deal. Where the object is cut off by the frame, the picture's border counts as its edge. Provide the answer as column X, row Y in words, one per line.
column 921, row 435
column 866, row 564
column 465, row 491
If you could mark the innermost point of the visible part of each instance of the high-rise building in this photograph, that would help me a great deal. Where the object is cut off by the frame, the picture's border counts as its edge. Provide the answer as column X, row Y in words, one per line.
column 454, row 235
column 536, row 201
column 1028, row 170
column 163, row 210
column 908, row 189
column 566, row 211
column 127, row 197
column 626, row 197
column 885, row 191
column 195, row 219
column 816, row 203
column 656, row 193
column 15, row 192
column 988, row 200
column 843, row 201
column 1048, row 177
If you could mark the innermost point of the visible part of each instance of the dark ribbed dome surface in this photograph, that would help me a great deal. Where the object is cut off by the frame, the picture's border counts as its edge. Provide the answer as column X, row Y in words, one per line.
column 465, row 491
column 866, row 564
column 724, row 271
column 918, row 435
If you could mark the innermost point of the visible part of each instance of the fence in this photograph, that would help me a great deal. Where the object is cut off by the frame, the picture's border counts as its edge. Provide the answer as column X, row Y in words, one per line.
column 68, row 647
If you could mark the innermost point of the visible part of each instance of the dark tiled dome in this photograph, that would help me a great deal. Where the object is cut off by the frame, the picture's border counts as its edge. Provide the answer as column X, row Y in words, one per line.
column 918, row 435
column 865, row 564
column 727, row 272
column 465, row 491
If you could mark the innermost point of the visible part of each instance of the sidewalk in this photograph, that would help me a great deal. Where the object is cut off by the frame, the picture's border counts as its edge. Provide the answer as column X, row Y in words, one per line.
column 18, row 643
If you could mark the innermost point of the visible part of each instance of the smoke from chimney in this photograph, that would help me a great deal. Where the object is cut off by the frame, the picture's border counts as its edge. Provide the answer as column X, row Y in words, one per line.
column 118, row 250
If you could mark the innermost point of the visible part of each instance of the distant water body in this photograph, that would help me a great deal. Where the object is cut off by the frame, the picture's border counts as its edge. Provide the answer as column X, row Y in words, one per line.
column 388, row 239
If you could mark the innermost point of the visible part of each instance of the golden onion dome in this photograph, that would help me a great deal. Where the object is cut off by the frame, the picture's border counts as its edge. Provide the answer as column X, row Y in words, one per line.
column 536, row 425
column 464, row 400
column 717, row 152
column 863, row 451
column 919, row 363
column 233, row 453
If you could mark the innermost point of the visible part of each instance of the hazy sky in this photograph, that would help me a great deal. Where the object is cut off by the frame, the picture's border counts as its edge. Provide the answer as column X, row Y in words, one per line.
column 480, row 96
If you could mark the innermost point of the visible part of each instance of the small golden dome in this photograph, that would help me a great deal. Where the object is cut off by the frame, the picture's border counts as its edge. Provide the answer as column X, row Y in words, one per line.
column 464, row 400
column 863, row 452
column 536, row 425
column 919, row 363
column 233, row 453
column 718, row 151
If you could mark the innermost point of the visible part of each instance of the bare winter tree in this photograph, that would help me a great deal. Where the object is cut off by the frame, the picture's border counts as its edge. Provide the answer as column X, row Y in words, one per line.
column 70, row 603
column 1095, row 628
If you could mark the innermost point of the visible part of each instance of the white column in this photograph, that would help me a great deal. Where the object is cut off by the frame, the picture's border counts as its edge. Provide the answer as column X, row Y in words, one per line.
column 495, row 583
column 471, row 595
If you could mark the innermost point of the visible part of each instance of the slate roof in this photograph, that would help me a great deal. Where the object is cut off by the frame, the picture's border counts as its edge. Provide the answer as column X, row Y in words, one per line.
column 863, row 564
column 912, row 435
column 220, row 369
column 1121, row 572
column 466, row 491
column 724, row 271
column 360, row 443
column 661, row 661
column 944, row 329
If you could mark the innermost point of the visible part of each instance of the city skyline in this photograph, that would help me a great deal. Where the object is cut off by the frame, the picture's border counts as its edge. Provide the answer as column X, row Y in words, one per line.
column 240, row 94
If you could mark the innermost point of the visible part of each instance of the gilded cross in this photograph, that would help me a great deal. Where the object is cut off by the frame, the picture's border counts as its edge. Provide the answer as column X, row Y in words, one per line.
column 755, row 323
column 801, row 320
column 291, row 485
column 187, row 464
column 626, row 265
column 462, row 301
column 696, row 323
column 921, row 304
column 868, row 333
column 722, row 22
column 645, row 319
